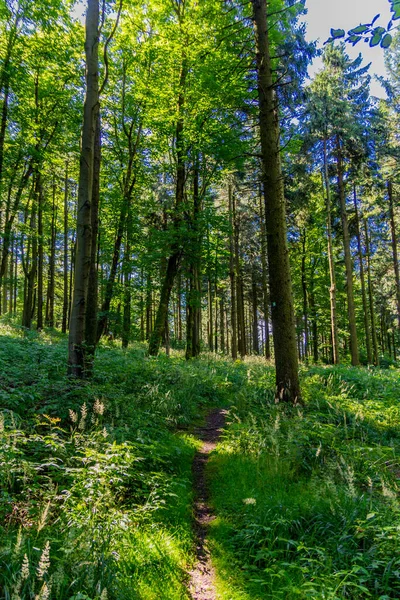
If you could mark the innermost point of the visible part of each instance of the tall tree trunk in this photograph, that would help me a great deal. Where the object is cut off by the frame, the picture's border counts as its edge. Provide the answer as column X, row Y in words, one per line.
column 371, row 296
column 222, row 320
column 362, row 279
column 241, row 327
column 394, row 249
column 76, row 355
column 52, row 261
column 256, row 343
column 30, row 264
column 267, row 343
column 232, row 270
column 39, row 324
column 15, row 291
column 194, row 290
column 11, row 279
column 313, row 316
column 126, row 268
column 305, row 292
column 65, row 265
column 331, row 260
column 286, row 361
column 91, row 337
column 176, row 250
column 210, row 324
column 355, row 361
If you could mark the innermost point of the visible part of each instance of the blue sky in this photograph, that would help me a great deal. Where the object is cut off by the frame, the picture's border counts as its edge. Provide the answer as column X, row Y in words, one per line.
column 345, row 14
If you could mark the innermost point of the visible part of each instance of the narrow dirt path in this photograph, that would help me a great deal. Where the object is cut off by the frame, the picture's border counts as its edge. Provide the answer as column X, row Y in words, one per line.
column 201, row 585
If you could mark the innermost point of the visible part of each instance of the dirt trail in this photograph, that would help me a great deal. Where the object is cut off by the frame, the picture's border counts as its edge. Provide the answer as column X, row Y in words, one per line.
column 201, row 585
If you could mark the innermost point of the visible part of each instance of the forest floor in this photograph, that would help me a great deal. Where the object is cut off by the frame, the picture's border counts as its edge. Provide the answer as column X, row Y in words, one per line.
column 101, row 482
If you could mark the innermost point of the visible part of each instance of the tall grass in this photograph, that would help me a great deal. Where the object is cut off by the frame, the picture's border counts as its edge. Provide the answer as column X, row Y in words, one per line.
column 95, row 478
column 308, row 498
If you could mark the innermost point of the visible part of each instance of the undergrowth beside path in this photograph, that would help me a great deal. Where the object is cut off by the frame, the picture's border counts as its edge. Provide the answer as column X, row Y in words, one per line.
column 96, row 484
column 308, row 498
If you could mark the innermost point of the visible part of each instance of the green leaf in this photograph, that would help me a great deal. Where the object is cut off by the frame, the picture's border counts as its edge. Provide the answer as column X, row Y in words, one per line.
column 359, row 29
column 386, row 41
column 354, row 39
column 337, row 33
column 375, row 40
column 396, row 11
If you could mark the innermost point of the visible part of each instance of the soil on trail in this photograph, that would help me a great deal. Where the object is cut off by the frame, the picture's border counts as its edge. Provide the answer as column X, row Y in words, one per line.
column 202, row 586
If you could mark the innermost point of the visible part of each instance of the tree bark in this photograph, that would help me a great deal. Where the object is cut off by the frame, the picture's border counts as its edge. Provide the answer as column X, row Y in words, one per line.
column 65, row 265
column 267, row 342
column 371, row 296
column 256, row 343
column 305, row 292
column 76, row 355
column 394, row 248
column 91, row 337
column 52, row 260
column 331, row 260
column 286, row 361
column 194, row 295
column 355, row 361
column 362, row 279
column 176, row 247
column 232, row 271
column 126, row 268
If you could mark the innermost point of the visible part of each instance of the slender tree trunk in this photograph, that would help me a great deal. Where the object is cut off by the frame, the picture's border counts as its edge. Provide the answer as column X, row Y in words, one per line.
column 91, row 337
column 76, row 356
column 176, row 254
column 362, row 279
column 267, row 342
column 222, row 320
column 355, row 361
column 52, row 261
column 30, row 267
column 256, row 343
column 126, row 268
column 15, row 291
column 305, row 293
column 210, row 325
column 371, row 296
column 232, row 271
column 314, row 321
column 286, row 361
column 65, row 265
column 331, row 260
column 241, row 327
column 40, row 198
column 194, row 289
column 394, row 248
column 11, row 278
column 3, row 300
column 71, row 280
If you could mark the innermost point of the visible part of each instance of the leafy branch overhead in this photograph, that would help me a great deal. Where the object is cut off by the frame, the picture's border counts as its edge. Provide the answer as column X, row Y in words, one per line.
column 367, row 32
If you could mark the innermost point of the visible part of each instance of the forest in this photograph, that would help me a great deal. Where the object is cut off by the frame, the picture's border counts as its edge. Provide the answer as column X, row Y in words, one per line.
column 199, row 303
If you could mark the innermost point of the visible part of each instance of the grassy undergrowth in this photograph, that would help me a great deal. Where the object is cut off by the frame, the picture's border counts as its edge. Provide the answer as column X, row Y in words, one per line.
column 95, row 481
column 307, row 498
